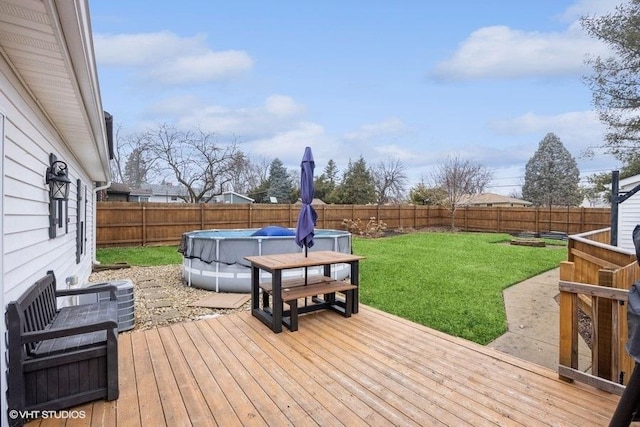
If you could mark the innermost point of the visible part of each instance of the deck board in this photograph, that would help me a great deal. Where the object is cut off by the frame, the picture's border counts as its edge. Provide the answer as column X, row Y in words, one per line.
column 370, row 369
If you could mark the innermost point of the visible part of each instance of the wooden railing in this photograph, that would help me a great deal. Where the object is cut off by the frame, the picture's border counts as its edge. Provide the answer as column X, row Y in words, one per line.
column 596, row 278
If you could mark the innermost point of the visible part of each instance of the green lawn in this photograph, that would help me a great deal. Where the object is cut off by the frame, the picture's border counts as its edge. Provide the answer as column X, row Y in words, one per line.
column 452, row 282
column 143, row 256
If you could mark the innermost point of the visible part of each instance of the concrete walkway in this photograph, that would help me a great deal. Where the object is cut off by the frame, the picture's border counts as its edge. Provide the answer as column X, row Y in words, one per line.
column 533, row 322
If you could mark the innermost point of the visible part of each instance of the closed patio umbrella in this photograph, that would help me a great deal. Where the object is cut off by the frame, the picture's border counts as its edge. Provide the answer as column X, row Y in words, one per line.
column 307, row 216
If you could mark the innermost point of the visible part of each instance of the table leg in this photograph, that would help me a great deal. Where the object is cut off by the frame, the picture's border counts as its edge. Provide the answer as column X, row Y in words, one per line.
column 276, row 296
column 355, row 280
column 255, row 288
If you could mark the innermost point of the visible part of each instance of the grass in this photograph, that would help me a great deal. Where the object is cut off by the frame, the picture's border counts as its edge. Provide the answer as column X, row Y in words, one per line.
column 452, row 282
column 143, row 256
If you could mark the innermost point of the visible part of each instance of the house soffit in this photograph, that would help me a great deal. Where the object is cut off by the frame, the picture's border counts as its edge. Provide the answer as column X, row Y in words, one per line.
column 32, row 41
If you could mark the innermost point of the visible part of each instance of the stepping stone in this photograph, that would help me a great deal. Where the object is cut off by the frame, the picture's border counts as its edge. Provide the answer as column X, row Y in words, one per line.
column 159, row 304
column 163, row 317
column 146, row 284
column 153, row 292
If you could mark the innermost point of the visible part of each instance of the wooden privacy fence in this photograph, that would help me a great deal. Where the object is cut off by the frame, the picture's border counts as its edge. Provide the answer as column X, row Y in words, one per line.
column 596, row 278
column 141, row 224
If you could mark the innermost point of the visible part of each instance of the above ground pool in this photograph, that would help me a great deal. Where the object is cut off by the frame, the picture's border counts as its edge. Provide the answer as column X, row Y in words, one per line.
column 214, row 259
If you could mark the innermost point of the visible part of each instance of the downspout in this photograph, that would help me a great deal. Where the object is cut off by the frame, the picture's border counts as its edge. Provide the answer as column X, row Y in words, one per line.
column 94, row 227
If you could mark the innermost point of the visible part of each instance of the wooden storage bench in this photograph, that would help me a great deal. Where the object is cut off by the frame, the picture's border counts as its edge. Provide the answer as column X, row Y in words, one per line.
column 295, row 289
column 60, row 357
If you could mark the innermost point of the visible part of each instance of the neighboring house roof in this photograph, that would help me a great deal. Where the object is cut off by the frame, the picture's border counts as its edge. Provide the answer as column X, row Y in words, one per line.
column 118, row 188
column 628, row 183
column 491, row 199
column 313, row 202
column 49, row 46
column 231, row 195
column 140, row 192
column 164, row 189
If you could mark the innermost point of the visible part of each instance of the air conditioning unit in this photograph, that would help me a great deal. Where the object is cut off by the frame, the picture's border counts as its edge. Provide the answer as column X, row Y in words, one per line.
column 124, row 294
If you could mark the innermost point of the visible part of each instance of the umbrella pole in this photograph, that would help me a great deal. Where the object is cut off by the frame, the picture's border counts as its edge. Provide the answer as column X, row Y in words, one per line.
column 306, row 253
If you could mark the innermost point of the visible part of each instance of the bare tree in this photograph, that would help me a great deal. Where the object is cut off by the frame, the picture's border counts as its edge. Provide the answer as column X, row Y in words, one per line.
column 119, row 156
column 132, row 160
column 141, row 161
column 460, row 178
column 247, row 174
column 199, row 162
column 389, row 180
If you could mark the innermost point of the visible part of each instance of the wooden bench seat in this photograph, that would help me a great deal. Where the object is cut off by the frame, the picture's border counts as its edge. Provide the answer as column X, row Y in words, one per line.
column 295, row 289
column 60, row 357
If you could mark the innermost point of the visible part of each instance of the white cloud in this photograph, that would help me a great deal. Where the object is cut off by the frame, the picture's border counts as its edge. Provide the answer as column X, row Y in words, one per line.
column 590, row 8
column 397, row 152
column 391, row 126
column 201, row 68
column 282, row 106
column 289, row 145
column 502, row 52
column 575, row 122
column 177, row 105
column 579, row 131
column 278, row 113
column 169, row 58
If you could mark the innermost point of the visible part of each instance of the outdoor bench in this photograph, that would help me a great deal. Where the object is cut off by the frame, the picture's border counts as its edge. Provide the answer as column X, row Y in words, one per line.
column 295, row 289
column 60, row 357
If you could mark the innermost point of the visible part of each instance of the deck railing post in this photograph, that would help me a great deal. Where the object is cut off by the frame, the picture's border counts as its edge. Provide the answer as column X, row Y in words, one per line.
column 568, row 351
column 603, row 328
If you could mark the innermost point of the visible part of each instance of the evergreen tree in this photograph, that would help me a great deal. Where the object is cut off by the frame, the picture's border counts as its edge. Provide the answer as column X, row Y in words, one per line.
column 326, row 183
column 357, row 186
column 422, row 194
column 280, row 185
column 615, row 81
column 135, row 168
column 259, row 193
column 552, row 175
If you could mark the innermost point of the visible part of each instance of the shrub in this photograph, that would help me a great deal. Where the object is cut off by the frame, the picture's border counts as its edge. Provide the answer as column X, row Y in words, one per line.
column 372, row 228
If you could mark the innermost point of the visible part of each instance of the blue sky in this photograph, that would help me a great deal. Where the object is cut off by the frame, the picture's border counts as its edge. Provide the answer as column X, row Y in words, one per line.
column 411, row 80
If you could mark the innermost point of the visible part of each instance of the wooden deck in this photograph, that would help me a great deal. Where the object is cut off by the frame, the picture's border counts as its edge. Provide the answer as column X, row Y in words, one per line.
column 370, row 369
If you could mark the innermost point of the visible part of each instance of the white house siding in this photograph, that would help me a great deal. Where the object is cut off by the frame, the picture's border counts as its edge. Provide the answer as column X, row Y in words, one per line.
column 164, row 198
column 27, row 250
column 628, row 214
column 50, row 46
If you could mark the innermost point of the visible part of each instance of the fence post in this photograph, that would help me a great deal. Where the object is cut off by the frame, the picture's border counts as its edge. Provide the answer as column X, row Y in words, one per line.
column 202, row 216
column 250, row 215
column 466, row 218
column 144, row 224
column 428, row 217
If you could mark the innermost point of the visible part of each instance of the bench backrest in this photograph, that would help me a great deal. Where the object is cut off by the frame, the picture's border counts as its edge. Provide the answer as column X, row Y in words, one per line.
column 34, row 310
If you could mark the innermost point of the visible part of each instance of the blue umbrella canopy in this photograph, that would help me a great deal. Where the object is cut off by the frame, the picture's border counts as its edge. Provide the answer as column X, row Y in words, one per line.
column 307, row 217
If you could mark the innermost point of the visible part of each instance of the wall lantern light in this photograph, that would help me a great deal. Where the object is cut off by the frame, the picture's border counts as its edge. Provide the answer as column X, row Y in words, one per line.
column 58, row 179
